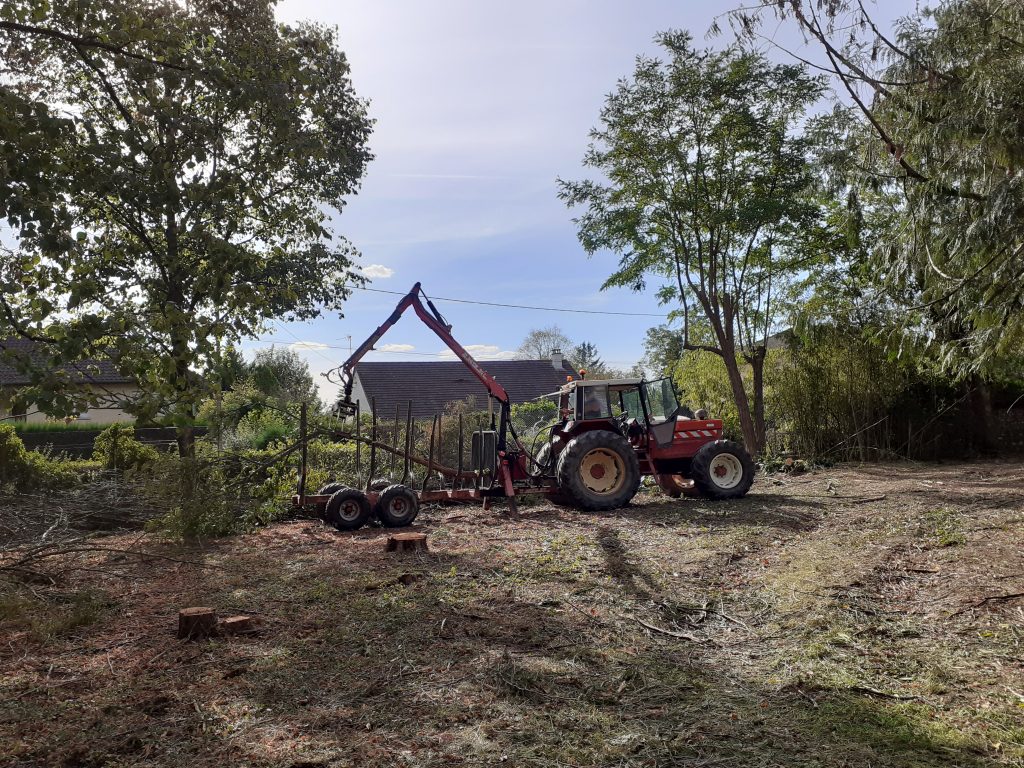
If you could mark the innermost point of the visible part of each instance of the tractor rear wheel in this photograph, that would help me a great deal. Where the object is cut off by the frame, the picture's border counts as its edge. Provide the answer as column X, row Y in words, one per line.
column 397, row 506
column 347, row 509
column 722, row 470
column 599, row 470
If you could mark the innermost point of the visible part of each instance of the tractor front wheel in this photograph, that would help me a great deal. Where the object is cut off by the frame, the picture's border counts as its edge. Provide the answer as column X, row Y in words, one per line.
column 599, row 470
column 722, row 470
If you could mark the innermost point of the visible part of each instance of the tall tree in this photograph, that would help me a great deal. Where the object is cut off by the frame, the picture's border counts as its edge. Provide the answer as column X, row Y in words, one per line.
column 170, row 210
column 586, row 357
column 936, row 140
column 708, row 190
column 541, row 342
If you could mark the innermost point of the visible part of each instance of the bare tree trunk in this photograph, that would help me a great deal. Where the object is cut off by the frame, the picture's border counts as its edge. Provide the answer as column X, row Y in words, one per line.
column 186, row 442
column 739, row 394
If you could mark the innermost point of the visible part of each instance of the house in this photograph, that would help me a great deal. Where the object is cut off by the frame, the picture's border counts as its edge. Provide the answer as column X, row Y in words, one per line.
column 433, row 385
column 99, row 378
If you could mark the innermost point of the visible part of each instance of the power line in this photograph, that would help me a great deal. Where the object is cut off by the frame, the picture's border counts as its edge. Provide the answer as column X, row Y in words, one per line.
column 316, row 346
column 520, row 306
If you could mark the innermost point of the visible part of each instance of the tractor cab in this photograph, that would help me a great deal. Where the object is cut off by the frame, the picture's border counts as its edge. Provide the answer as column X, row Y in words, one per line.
column 631, row 403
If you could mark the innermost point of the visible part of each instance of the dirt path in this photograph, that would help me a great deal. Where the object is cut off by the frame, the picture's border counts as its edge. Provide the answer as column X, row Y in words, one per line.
column 851, row 617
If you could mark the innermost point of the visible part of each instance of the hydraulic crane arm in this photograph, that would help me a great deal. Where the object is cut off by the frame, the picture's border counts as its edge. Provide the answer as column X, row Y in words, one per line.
column 435, row 322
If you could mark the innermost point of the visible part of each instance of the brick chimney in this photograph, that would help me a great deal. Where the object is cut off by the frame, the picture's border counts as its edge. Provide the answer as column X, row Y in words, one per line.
column 556, row 359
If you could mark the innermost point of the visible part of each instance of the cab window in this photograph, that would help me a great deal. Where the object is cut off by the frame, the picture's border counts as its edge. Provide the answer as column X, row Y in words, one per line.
column 592, row 402
column 661, row 399
column 630, row 400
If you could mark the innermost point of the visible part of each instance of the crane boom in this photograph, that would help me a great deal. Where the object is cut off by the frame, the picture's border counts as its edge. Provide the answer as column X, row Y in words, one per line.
column 435, row 322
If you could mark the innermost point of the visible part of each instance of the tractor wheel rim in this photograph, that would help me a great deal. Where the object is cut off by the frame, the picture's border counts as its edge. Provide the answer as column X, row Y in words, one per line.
column 603, row 471
column 726, row 470
column 398, row 507
column 349, row 510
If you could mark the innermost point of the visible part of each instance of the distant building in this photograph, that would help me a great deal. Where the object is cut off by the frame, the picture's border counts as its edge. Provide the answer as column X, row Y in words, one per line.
column 99, row 378
column 433, row 385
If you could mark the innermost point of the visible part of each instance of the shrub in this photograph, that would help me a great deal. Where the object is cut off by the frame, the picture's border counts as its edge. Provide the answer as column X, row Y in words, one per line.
column 116, row 448
column 23, row 470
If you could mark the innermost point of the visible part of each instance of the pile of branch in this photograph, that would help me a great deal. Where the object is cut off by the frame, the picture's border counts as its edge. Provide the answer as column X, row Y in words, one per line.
column 35, row 528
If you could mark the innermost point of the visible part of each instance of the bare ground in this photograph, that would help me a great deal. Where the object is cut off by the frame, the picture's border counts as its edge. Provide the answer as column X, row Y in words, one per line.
column 851, row 617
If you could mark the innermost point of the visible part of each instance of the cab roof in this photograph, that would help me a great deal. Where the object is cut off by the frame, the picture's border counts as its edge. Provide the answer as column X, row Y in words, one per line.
column 570, row 386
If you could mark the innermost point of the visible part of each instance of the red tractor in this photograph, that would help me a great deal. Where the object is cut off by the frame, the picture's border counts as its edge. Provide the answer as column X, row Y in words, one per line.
column 612, row 433
column 609, row 435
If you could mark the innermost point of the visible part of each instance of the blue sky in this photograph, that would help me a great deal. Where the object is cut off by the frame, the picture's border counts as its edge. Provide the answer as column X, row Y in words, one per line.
column 480, row 107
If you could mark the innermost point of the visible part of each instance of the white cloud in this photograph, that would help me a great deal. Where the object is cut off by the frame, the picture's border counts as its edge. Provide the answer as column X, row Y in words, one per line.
column 396, row 348
column 482, row 352
column 377, row 270
column 300, row 346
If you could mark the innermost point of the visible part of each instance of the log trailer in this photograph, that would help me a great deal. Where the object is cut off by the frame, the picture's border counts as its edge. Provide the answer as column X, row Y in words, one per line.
column 608, row 436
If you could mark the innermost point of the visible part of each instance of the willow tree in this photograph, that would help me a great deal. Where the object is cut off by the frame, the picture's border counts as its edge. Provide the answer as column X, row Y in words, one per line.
column 933, row 168
column 707, row 189
column 180, row 164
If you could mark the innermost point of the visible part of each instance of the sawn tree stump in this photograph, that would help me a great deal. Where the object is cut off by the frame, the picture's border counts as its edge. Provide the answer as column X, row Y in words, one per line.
column 196, row 623
column 407, row 542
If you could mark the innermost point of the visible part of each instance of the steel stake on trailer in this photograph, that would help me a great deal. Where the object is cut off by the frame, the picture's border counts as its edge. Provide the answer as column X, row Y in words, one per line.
column 458, row 479
column 430, row 460
column 394, row 443
column 373, row 444
column 408, row 443
column 359, row 474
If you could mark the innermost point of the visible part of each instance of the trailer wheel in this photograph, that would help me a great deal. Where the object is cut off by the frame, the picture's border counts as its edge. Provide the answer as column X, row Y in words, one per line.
column 722, row 470
column 397, row 506
column 599, row 470
column 330, row 489
column 347, row 509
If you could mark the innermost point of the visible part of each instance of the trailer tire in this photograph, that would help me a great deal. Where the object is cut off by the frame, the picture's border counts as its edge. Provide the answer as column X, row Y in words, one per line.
column 397, row 506
column 330, row 489
column 347, row 509
column 722, row 470
column 599, row 470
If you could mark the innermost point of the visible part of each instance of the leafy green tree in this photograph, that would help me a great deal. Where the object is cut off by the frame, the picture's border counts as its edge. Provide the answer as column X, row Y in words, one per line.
column 934, row 148
column 709, row 191
column 663, row 347
column 283, row 376
column 541, row 342
column 168, row 209
column 586, row 357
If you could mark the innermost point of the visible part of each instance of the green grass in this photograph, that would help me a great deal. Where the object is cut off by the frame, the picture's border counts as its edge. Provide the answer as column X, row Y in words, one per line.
column 944, row 526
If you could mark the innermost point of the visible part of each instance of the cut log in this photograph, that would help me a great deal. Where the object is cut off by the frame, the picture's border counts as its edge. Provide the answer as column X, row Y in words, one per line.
column 237, row 625
column 196, row 623
column 407, row 542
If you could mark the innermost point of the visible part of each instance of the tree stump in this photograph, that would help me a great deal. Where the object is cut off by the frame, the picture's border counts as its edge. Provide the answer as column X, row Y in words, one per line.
column 237, row 625
column 407, row 542
column 196, row 623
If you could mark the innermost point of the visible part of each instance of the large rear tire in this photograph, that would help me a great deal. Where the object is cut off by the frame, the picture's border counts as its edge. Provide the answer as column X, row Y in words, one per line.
column 347, row 509
column 599, row 470
column 397, row 506
column 722, row 470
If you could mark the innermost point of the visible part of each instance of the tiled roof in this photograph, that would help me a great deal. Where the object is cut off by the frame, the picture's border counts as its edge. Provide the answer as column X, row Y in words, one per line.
column 14, row 351
column 432, row 385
